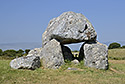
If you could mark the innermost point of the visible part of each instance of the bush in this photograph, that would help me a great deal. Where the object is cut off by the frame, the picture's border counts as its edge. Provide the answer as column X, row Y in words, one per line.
column 123, row 46
column 20, row 51
column 10, row 53
column 1, row 52
column 27, row 51
column 114, row 45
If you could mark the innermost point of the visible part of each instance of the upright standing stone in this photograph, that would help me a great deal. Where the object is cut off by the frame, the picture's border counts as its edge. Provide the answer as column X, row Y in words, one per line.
column 96, row 55
column 52, row 56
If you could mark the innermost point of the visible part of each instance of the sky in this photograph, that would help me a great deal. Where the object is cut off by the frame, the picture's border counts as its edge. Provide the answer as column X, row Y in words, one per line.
column 26, row 20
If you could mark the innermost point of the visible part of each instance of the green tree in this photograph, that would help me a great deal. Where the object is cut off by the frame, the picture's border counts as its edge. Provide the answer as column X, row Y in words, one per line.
column 1, row 52
column 10, row 53
column 27, row 51
column 20, row 53
column 114, row 45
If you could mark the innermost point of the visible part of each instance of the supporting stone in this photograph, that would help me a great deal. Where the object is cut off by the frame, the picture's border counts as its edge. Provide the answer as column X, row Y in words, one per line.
column 52, row 56
column 95, row 55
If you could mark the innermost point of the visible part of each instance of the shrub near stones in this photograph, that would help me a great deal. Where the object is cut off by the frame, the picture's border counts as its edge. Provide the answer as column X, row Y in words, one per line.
column 68, row 28
column 1, row 52
column 114, row 45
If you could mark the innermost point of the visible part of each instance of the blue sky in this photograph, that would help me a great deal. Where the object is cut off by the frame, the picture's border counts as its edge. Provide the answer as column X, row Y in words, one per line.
column 26, row 20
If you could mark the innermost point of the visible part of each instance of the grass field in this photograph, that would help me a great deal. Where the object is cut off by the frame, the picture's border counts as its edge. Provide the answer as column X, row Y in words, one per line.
column 117, row 54
column 83, row 75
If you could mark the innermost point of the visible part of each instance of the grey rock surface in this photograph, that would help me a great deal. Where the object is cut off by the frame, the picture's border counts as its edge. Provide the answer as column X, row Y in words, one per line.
column 68, row 28
column 35, row 52
column 52, row 56
column 75, row 61
column 67, row 54
column 28, row 62
column 96, row 55
column 70, row 68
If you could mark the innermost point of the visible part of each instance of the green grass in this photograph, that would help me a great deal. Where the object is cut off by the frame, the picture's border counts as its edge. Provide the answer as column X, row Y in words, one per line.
column 116, row 54
column 83, row 75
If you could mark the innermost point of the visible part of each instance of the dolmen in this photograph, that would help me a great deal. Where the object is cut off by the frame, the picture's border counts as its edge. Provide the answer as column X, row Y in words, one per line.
column 68, row 28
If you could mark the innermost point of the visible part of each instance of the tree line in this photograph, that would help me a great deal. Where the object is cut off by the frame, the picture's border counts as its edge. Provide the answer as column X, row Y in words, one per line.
column 13, row 53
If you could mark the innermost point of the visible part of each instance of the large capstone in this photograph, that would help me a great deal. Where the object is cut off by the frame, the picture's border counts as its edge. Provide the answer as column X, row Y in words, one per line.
column 52, row 56
column 95, row 55
column 28, row 62
column 68, row 28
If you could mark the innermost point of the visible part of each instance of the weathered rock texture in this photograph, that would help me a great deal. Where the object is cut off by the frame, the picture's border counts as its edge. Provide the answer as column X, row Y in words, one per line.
column 52, row 55
column 28, row 62
column 75, row 61
column 35, row 52
column 69, row 27
column 95, row 55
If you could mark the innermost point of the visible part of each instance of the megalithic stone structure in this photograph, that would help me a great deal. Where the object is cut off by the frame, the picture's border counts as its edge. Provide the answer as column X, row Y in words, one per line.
column 71, row 27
